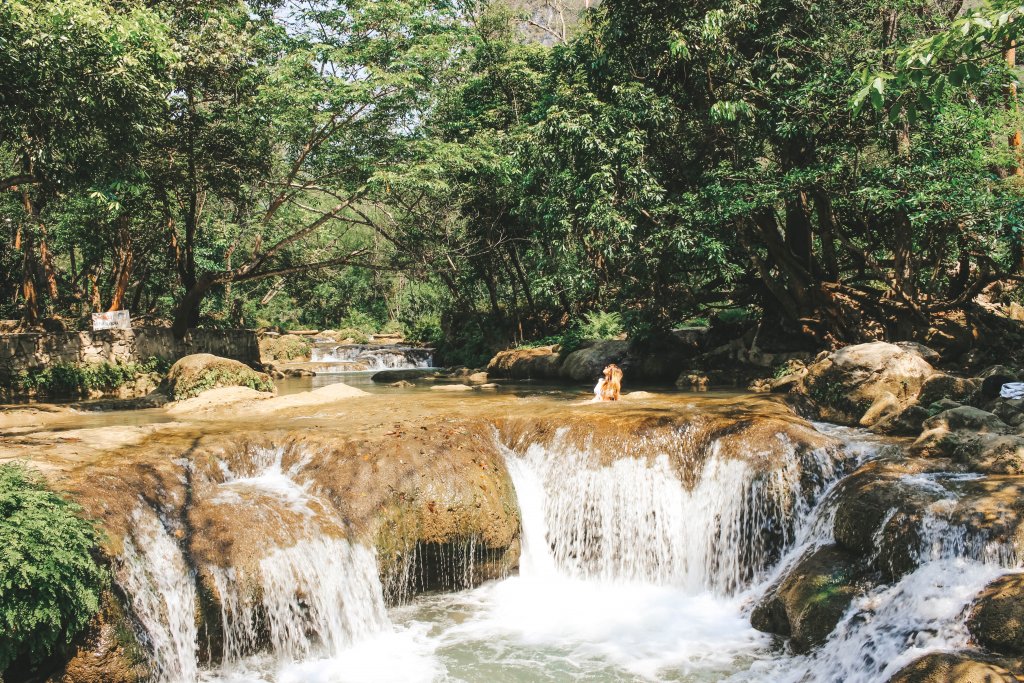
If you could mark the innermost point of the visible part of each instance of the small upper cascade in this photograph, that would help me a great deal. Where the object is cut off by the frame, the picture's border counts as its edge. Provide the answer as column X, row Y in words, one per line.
column 371, row 356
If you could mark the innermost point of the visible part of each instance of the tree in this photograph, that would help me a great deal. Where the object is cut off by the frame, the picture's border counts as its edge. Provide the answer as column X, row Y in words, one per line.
column 81, row 83
column 343, row 88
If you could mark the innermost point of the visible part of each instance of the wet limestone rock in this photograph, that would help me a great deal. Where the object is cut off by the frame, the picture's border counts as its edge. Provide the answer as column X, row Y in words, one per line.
column 975, row 438
column 192, row 375
column 107, row 653
column 867, row 383
column 389, row 376
column 997, row 617
column 542, row 362
column 958, row 667
column 587, row 363
column 810, row 600
column 879, row 516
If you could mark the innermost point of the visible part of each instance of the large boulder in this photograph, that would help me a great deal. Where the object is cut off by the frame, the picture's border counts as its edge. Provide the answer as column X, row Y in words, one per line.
column 957, row 667
column 967, row 418
column 192, row 375
column 997, row 618
column 587, row 363
column 941, row 385
column 879, row 515
column 865, row 384
column 811, row 598
column 974, row 438
column 542, row 362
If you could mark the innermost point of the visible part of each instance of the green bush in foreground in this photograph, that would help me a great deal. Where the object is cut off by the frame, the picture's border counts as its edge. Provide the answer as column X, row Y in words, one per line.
column 50, row 584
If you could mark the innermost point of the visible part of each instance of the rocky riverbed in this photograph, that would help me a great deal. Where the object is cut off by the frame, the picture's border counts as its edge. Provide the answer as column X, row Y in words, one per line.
column 225, row 501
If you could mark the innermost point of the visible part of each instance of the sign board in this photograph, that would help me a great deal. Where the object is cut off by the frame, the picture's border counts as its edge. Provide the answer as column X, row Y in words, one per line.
column 112, row 320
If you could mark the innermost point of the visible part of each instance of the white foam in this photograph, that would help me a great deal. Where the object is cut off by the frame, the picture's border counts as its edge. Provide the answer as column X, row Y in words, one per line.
column 160, row 587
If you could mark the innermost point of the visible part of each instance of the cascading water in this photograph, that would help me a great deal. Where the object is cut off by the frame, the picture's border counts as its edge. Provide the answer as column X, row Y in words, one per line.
column 642, row 566
column 153, row 573
column 372, row 357
column 635, row 520
column 923, row 612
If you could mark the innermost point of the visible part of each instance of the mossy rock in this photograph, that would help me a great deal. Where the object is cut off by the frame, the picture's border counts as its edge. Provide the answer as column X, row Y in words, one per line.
column 192, row 375
column 811, row 599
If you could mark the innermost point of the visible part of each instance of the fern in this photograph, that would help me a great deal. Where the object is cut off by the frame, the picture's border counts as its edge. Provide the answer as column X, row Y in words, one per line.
column 50, row 584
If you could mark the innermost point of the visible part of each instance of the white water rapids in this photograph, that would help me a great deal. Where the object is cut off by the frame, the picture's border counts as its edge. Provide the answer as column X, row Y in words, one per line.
column 371, row 357
column 626, row 574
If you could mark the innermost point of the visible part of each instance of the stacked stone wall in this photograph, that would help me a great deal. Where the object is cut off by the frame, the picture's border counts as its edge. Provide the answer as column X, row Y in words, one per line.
column 27, row 352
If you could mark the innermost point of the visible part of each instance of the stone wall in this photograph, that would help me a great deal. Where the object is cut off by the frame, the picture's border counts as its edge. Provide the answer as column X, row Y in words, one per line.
column 34, row 351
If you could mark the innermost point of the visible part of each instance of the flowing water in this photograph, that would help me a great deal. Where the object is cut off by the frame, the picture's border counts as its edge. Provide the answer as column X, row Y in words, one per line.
column 371, row 356
column 631, row 570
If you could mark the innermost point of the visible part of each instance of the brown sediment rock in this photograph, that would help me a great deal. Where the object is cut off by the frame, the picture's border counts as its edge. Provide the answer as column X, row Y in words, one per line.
column 959, row 667
column 997, row 617
column 542, row 362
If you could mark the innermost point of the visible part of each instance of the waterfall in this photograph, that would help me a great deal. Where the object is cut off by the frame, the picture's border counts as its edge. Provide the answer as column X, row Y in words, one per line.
column 925, row 611
column 321, row 596
column 309, row 595
column 160, row 586
column 636, row 520
column 372, row 357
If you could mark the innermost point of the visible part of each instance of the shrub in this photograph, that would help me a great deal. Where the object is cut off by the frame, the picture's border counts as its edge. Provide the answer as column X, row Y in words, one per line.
column 601, row 325
column 286, row 347
column 50, row 583
column 393, row 327
column 358, row 320
column 81, row 378
column 214, row 377
column 351, row 334
column 426, row 329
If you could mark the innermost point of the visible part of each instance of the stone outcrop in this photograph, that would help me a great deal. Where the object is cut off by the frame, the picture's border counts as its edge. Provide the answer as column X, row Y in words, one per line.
column 542, row 362
column 192, row 375
column 996, row 621
column 812, row 597
column 865, row 384
column 958, row 667
column 587, row 363
column 389, row 376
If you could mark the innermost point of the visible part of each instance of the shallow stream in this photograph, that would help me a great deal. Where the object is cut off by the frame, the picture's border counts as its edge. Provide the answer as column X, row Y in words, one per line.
column 631, row 570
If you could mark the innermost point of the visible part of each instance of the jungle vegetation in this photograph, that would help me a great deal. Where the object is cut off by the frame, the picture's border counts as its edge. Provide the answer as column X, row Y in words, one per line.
column 487, row 173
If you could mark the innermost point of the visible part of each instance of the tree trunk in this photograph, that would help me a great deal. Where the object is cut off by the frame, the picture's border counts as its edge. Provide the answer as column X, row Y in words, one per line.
column 1016, row 137
column 186, row 315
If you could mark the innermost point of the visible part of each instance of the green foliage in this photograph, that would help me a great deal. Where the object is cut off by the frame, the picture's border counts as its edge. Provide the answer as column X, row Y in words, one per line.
column 286, row 347
column 425, row 329
column 352, row 335
column 358, row 320
column 601, row 325
column 50, row 583
column 71, row 379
